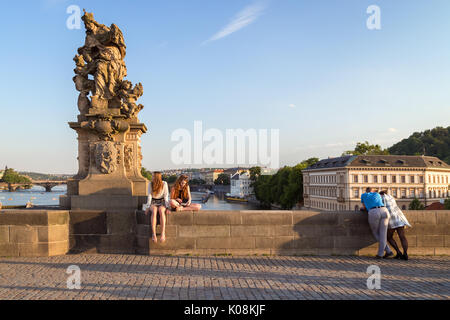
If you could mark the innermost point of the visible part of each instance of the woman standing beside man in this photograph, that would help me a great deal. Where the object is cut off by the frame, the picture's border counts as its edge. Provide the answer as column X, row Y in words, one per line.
column 397, row 222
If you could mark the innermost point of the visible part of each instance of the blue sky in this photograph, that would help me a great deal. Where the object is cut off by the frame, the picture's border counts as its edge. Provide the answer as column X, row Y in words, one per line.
column 309, row 68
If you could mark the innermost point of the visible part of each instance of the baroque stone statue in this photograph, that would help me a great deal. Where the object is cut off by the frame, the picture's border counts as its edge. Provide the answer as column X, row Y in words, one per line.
column 108, row 128
column 102, row 57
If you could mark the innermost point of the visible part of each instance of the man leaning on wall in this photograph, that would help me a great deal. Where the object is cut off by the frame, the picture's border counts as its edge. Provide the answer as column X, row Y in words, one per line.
column 378, row 217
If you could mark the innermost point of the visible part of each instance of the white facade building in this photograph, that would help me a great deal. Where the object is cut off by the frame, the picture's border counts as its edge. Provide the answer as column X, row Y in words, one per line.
column 240, row 185
column 337, row 184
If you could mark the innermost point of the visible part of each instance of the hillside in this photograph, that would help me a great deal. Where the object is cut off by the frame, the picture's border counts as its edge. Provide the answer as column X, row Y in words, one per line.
column 434, row 142
column 45, row 176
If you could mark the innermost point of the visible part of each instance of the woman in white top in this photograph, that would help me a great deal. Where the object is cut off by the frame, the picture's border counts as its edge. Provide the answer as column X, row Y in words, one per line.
column 158, row 200
column 397, row 222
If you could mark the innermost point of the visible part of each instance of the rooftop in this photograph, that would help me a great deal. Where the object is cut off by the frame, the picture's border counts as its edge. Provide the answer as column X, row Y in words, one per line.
column 380, row 161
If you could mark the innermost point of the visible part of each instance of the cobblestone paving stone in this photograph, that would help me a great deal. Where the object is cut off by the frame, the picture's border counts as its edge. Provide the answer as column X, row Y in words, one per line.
column 223, row 277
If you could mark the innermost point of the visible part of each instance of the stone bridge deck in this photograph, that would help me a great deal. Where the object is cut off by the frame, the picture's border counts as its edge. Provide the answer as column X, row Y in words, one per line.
column 224, row 277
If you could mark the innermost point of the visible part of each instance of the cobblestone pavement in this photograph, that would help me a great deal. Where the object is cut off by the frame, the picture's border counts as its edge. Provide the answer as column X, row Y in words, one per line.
column 223, row 277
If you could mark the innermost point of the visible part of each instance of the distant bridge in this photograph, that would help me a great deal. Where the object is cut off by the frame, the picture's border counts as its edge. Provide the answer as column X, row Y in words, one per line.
column 47, row 184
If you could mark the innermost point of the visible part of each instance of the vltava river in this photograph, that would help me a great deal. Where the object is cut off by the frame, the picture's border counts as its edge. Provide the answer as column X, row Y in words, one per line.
column 38, row 196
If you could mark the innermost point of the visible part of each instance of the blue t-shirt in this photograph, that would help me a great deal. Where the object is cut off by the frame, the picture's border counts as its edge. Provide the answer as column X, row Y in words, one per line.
column 372, row 200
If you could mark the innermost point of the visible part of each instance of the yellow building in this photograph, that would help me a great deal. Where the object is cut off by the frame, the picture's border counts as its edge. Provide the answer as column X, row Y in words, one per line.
column 211, row 176
column 336, row 184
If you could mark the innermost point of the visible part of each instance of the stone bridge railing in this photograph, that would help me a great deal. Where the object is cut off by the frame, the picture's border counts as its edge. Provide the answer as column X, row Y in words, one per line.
column 287, row 233
column 51, row 232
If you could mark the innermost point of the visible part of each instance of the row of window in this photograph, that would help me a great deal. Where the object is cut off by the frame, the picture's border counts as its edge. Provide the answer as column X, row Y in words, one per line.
column 326, row 205
column 323, row 179
column 365, row 178
column 410, row 193
column 324, row 192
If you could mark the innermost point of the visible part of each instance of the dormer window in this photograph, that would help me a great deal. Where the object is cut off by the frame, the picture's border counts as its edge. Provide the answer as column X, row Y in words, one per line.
column 401, row 162
column 383, row 161
column 365, row 161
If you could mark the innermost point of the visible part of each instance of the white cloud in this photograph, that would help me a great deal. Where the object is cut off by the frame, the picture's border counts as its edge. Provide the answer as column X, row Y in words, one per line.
column 242, row 19
column 292, row 105
column 392, row 130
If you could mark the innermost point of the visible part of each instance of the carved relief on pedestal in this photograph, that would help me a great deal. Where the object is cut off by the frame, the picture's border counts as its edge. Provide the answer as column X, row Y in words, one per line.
column 140, row 157
column 128, row 157
column 84, row 164
column 106, row 157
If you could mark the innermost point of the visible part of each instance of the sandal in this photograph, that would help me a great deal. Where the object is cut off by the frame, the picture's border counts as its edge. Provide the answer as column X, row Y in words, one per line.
column 154, row 239
column 163, row 238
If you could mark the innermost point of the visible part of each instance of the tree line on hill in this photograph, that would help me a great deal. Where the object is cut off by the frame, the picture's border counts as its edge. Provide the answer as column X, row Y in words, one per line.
column 434, row 142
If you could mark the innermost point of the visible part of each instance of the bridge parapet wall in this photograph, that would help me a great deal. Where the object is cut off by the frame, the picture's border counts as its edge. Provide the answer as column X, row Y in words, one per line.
column 34, row 233
column 54, row 232
column 287, row 233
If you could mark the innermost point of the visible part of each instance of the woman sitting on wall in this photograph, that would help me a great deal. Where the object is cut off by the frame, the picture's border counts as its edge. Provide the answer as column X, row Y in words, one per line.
column 158, row 201
column 397, row 222
column 180, row 197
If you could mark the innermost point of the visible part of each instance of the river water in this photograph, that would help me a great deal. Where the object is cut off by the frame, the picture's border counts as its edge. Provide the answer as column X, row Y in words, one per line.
column 38, row 196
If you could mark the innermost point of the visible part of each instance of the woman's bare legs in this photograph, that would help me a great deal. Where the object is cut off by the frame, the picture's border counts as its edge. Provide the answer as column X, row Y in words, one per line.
column 404, row 241
column 191, row 207
column 390, row 239
column 162, row 216
column 154, row 210
column 174, row 204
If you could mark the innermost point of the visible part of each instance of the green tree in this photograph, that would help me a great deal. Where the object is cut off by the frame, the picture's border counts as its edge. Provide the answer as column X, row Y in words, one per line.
column 255, row 172
column 284, row 188
column 434, row 142
column 146, row 174
column 196, row 182
column 365, row 148
column 12, row 177
column 447, row 204
column 169, row 179
column 223, row 179
column 416, row 205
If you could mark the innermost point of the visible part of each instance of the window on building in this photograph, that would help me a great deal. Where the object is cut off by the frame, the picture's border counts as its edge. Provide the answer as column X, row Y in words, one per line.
column 394, row 179
column 366, row 178
column 420, row 193
column 355, row 178
column 356, row 193
column 403, row 179
column 412, row 193
column 384, row 179
column 375, row 179
column 394, row 193
column 420, row 179
column 412, row 179
column 403, row 193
